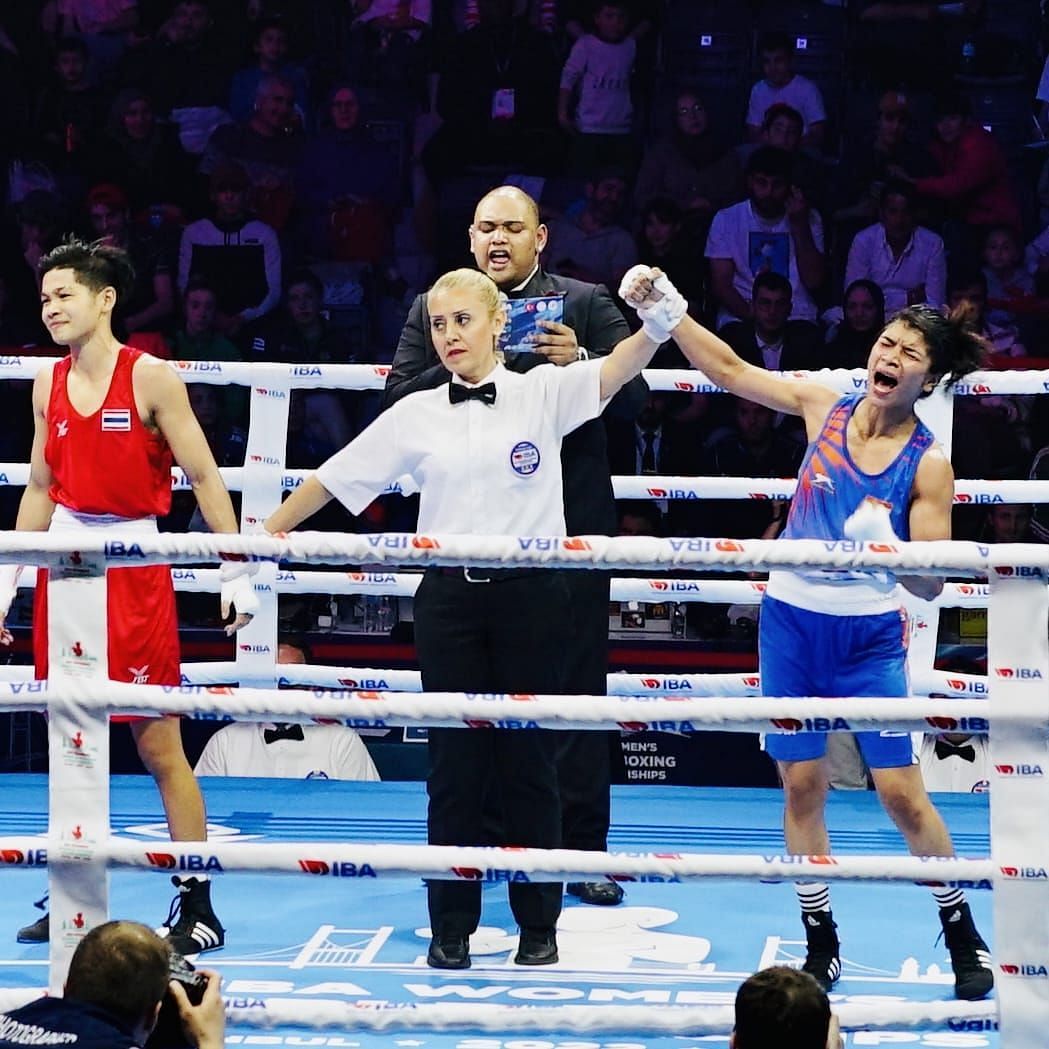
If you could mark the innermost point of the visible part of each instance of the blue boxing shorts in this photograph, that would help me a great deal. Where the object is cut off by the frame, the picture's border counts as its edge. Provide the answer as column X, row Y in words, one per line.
column 807, row 653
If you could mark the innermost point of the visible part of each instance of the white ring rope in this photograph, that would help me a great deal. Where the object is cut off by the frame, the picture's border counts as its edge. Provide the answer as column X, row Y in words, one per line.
column 975, row 492
column 498, row 551
column 652, row 1019
column 350, row 860
column 651, row 591
column 374, row 709
column 373, row 376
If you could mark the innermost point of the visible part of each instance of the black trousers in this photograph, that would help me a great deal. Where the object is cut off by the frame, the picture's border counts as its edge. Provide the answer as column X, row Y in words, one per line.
column 584, row 758
column 501, row 636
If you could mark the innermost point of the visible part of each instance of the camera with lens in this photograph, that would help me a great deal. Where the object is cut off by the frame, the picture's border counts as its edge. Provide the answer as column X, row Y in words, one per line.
column 168, row 1033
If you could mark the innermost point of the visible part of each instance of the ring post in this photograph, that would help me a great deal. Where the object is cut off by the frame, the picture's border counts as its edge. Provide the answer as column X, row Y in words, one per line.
column 1017, row 669
column 78, row 749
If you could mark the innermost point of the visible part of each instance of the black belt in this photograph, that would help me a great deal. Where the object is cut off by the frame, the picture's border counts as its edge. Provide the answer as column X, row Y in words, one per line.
column 484, row 575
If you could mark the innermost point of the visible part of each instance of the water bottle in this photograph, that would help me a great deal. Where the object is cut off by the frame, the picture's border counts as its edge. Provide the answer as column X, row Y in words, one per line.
column 968, row 62
column 677, row 621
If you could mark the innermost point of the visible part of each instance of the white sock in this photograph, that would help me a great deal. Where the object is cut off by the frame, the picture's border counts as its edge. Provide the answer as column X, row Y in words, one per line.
column 813, row 896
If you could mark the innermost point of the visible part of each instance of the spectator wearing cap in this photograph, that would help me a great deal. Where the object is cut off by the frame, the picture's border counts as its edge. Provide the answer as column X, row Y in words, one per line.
column 773, row 230
column 238, row 254
column 267, row 145
column 867, row 158
column 780, row 84
column 973, row 181
column 151, row 303
column 905, row 260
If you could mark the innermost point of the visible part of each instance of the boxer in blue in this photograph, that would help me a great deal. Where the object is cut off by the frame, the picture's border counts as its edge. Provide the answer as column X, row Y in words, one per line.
column 872, row 471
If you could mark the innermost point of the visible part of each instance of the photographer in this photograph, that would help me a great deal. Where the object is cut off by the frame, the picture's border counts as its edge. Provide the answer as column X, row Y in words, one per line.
column 117, row 982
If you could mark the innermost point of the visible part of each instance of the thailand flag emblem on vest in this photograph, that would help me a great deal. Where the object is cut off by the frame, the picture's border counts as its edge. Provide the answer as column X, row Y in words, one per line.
column 116, row 419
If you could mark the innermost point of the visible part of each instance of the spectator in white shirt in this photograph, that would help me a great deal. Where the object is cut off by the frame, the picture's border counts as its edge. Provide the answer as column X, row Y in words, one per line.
column 285, row 751
column 904, row 259
column 773, row 230
column 782, row 85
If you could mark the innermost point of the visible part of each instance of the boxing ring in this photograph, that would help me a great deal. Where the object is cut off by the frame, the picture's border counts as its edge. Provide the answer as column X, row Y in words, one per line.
column 81, row 845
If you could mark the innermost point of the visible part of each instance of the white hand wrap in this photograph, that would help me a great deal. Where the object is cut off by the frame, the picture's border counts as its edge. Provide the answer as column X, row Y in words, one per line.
column 8, row 587
column 236, row 588
column 870, row 522
column 659, row 319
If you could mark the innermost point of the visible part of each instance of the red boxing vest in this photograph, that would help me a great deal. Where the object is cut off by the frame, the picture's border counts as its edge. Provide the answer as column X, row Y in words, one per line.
column 107, row 462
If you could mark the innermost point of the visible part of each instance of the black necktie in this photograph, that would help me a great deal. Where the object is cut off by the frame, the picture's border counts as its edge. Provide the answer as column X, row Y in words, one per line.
column 457, row 393
column 648, row 452
column 965, row 751
column 282, row 730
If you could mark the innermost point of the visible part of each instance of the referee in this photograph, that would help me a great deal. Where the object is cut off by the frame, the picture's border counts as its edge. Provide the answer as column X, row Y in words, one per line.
column 484, row 452
column 507, row 241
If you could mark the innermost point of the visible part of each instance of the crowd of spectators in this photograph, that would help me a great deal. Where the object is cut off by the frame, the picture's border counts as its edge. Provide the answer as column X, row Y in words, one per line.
column 286, row 176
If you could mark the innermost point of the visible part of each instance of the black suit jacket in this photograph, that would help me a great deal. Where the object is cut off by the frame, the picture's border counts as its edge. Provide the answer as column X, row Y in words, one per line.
column 802, row 348
column 598, row 326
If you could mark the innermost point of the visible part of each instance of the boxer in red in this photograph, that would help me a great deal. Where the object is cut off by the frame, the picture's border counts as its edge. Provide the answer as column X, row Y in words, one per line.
column 109, row 421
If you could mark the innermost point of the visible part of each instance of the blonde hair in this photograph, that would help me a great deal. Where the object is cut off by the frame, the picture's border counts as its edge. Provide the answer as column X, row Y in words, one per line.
column 472, row 280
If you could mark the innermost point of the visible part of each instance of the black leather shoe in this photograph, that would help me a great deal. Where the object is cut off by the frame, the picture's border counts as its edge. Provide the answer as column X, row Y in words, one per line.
column 449, row 952
column 537, row 946
column 600, row 893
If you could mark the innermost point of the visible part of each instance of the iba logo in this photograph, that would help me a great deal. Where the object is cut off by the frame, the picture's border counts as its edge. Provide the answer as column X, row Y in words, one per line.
column 787, row 724
column 165, row 861
column 337, row 869
column 1030, row 969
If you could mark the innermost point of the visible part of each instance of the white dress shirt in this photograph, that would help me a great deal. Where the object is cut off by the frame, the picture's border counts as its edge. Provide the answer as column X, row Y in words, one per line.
column 954, row 773
column 922, row 261
column 481, row 469
column 325, row 752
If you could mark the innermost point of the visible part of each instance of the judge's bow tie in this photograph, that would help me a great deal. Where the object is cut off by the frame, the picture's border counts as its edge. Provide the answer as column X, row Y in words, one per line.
column 282, row 730
column 457, row 393
column 965, row 751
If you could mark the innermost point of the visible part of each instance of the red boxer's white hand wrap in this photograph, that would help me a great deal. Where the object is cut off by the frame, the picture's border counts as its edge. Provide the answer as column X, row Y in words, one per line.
column 8, row 587
column 236, row 588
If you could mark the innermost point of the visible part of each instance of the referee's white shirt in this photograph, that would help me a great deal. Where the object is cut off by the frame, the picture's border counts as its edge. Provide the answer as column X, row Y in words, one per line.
column 481, row 469
column 324, row 752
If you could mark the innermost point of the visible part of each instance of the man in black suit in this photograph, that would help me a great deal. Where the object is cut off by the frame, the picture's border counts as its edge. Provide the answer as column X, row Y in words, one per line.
column 506, row 239
column 769, row 340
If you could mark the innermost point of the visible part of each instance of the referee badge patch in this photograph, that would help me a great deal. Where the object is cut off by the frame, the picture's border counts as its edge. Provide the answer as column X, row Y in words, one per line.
column 524, row 458
column 116, row 419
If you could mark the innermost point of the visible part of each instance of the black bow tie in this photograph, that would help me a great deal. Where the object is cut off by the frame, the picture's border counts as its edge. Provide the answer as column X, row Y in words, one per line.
column 457, row 393
column 965, row 751
column 282, row 730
